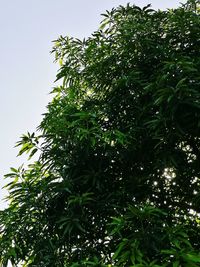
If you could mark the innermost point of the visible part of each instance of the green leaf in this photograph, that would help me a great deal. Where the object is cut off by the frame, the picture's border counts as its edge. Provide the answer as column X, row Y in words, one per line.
column 192, row 257
column 176, row 264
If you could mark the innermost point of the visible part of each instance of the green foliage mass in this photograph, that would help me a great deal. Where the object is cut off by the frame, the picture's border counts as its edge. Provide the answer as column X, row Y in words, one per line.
column 117, row 181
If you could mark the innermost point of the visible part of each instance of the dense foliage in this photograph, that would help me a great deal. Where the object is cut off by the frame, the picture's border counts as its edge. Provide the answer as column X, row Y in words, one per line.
column 117, row 182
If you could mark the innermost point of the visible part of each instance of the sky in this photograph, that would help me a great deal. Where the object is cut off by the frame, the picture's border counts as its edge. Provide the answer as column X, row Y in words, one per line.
column 27, row 70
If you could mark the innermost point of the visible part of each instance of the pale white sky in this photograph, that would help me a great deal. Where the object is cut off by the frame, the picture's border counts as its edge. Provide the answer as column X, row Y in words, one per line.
column 27, row 70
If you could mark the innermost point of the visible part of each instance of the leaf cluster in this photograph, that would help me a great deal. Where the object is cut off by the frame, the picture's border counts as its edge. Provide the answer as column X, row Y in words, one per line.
column 117, row 181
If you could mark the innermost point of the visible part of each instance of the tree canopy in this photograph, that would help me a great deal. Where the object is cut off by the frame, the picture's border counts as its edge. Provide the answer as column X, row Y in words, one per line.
column 117, row 180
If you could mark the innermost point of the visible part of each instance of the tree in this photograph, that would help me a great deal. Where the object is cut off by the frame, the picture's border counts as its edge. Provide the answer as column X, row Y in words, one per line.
column 117, row 180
